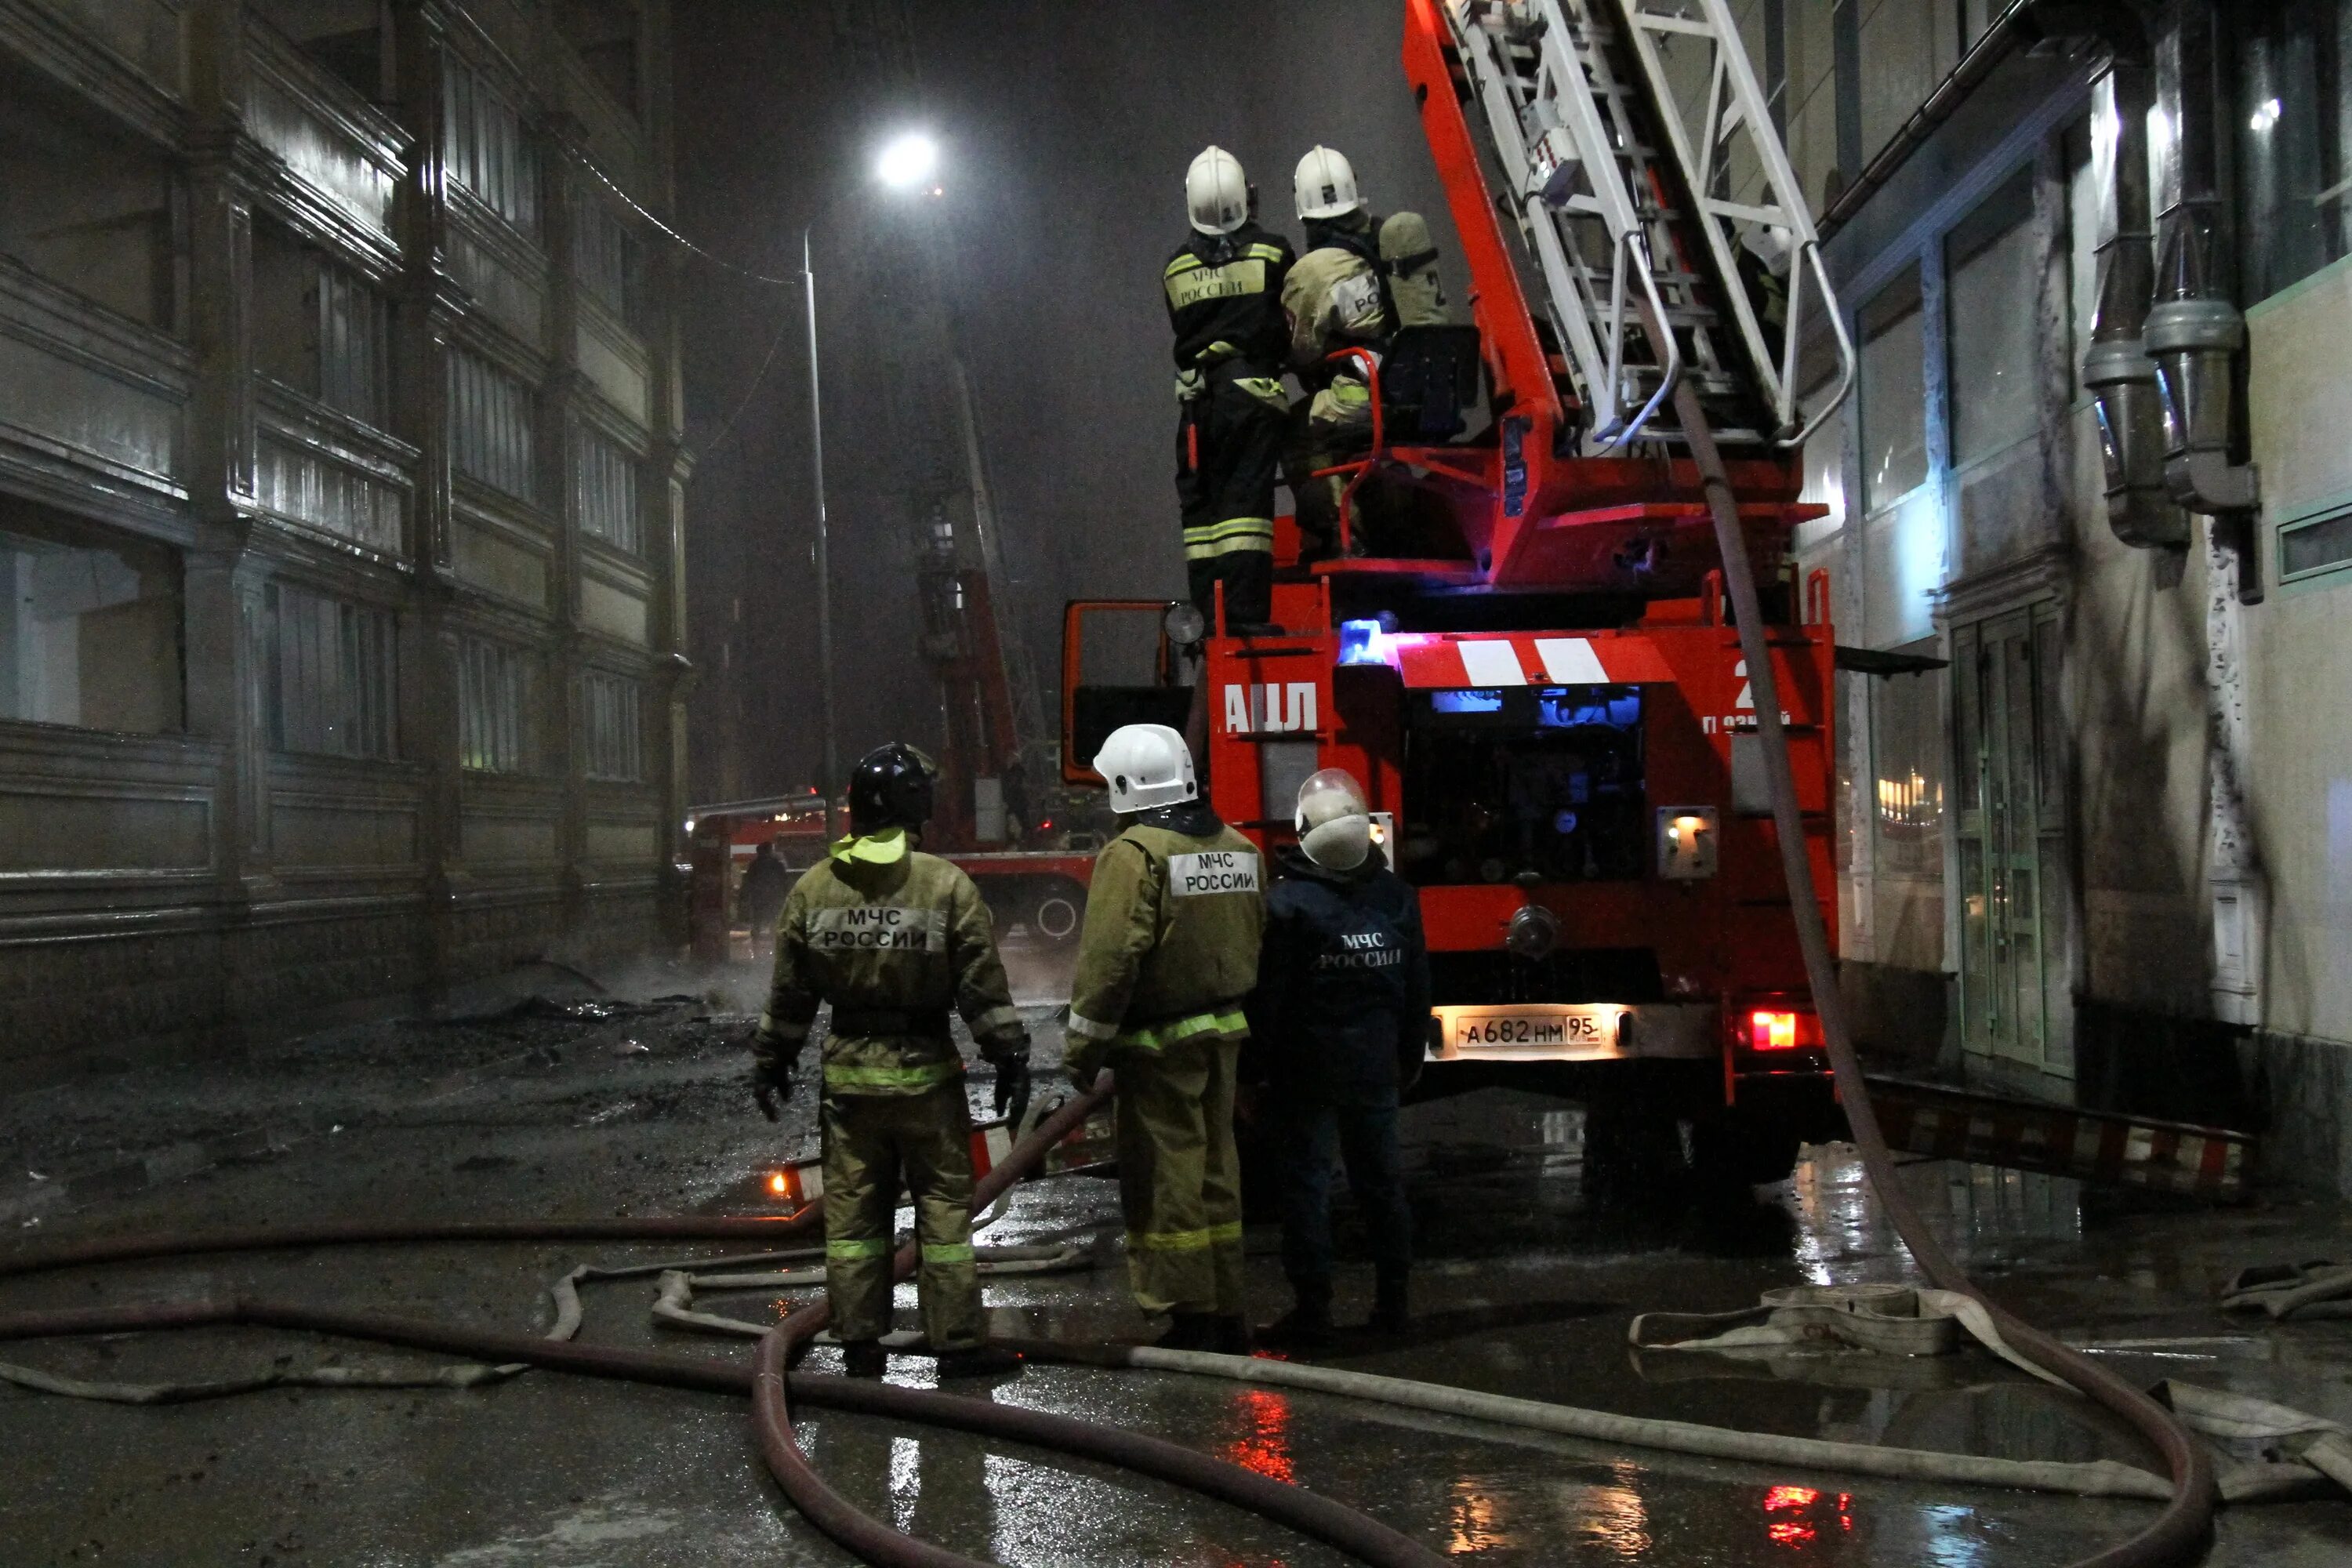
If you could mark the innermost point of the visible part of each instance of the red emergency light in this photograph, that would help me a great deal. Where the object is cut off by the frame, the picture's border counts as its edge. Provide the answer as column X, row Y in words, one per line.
column 1771, row 1031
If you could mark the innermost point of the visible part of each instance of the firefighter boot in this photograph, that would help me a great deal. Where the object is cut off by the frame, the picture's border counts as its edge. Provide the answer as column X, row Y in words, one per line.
column 1389, row 1313
column 1231, row 1335
column 1188, row 1331
column 864, row 1358
column 1307, row 1324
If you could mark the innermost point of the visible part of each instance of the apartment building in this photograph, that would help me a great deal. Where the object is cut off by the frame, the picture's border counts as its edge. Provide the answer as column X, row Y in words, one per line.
column 2101, row 850
column 341, row 488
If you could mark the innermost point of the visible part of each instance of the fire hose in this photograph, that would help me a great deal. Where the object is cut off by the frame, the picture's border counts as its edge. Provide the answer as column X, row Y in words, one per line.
column 767, row 1380
column 2179, row 1533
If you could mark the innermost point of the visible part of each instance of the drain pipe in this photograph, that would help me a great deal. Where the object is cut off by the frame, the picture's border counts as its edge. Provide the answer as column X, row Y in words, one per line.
column 2116, row 370
column 2195, row 332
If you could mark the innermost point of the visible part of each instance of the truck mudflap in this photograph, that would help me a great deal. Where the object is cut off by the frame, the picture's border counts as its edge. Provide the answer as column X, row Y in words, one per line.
column 1576, row 1032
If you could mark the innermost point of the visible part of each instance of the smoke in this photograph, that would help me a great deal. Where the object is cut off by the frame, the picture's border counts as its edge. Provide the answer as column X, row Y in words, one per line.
column 1066, row 130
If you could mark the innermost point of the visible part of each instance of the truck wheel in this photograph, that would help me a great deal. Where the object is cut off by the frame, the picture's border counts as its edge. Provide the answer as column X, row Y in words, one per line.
column 1632, row 1156
column 1059, row 909
column 1734, row 1152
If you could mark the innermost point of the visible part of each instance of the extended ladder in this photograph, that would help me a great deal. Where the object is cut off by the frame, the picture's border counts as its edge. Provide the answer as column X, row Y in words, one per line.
column 1639, row 162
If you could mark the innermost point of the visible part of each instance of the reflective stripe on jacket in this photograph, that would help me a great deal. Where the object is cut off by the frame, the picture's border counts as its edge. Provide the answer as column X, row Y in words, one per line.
column 910, row 935
column 1173, row 920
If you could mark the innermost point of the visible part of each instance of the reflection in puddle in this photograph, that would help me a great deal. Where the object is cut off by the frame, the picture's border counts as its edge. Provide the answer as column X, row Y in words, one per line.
column 1610, row 1520
column 1478, row 1520
column 1264, row 1443
column 1797, row 1517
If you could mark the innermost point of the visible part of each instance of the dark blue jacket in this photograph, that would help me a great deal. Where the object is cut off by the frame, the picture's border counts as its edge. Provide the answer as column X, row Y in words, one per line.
column 1341, row 1010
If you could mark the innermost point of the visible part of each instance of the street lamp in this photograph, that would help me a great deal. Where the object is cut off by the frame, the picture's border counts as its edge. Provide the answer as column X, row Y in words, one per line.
column 908, row 162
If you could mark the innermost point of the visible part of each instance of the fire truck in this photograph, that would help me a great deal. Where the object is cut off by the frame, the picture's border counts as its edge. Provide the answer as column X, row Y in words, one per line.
column 1523, row 647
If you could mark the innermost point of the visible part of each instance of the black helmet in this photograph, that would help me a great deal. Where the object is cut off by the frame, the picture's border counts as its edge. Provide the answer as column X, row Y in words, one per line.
column 891, row 787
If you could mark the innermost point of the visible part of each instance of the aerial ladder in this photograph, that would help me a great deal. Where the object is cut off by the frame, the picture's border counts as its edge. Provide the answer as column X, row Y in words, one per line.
column 1537, row 679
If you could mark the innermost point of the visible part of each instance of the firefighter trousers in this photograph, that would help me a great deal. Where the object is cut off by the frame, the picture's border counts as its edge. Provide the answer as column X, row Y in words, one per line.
column 1179, row 1175
column 1365, row 1138
column 1228, row 452
column 873, row 1142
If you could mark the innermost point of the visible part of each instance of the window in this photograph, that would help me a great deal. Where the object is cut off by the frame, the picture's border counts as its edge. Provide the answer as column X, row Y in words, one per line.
column 607, row 493
column 496, row 707
column 90, row 626
column 1824, row 468
column 606, row 34
column 608, row 259
column 487, row 150
column 2294, row 117
column 1894, row 393
column 351, row 38
column 493, row 427
column 331, row 674
column 320, row 328
column 2315, row 547
column 1996, row 286
column 82, row 210
column 609, row 705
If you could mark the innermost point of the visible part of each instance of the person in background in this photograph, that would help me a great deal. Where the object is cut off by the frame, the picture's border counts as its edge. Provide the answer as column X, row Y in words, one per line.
column 760, row 895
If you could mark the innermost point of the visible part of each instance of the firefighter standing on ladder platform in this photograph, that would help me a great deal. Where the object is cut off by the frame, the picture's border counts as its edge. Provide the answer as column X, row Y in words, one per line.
column 1170, row 946
column 893, row 939
column 1225, row 304
column 1336, row 297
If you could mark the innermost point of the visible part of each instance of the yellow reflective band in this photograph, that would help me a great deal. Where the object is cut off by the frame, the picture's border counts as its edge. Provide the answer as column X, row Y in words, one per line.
column 1206, row 532
column 1264, row 252
column 1230, row 1023
column 1264, row 388
column 856, row 1249
column 1344, row 390
column 1086, row 1028
column 1199, row 1241
column 928, row 1076
column 996, row 1019
column 882, row 848
column 947, row 1252
column 1184, row 263
column 1237, row 546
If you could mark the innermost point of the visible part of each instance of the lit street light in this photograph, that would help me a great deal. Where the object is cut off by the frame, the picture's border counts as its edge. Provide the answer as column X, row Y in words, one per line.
column 910, row 161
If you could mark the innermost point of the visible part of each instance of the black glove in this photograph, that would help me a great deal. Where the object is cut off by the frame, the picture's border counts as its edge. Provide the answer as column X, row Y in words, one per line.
column 1011, row 1064
column 771, row 1086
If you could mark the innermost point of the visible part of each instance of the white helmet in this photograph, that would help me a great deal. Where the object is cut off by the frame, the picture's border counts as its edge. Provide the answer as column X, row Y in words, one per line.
column 1334, row 822
column 1216, row 193
column 1325, row 185
column 1146, row 765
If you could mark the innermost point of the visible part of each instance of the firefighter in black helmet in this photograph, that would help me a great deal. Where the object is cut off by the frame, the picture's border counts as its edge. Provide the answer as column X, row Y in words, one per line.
column 894, row 939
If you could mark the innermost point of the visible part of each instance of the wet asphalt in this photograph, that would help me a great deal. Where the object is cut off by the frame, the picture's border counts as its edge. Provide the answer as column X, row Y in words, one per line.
column 559, row 1110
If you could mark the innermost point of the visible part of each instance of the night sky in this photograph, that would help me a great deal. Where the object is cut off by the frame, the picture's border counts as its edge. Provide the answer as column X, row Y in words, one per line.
column 1067, row 128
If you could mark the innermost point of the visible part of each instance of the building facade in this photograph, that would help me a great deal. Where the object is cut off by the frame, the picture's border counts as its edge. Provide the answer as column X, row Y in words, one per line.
column 340, row 495
column 2104, row 853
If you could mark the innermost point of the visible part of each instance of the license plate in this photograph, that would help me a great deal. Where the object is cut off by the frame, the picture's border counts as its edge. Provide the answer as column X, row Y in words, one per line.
column 1565, row 1031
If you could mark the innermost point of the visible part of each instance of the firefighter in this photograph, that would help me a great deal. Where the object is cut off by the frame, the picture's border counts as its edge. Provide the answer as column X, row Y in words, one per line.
column 1335, row 298
column 893, row 939
column 1338, row 1023
column 1223, row 287
column 1168, row 953
column 1409, row 259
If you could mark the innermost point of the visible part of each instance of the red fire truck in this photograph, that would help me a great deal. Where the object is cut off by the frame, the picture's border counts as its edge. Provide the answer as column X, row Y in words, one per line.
column 1523, row 650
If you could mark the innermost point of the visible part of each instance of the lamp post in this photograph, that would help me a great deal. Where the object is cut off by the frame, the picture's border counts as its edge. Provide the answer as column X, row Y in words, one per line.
column 908, row 162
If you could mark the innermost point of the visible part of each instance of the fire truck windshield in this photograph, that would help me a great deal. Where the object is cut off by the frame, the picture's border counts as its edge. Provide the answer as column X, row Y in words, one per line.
column 1523, row 783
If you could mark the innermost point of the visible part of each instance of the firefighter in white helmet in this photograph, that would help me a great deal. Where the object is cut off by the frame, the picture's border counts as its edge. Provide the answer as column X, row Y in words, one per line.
column 1338, row 1024
column 1340, row 296
column 1169, row 952
column 1223, row 287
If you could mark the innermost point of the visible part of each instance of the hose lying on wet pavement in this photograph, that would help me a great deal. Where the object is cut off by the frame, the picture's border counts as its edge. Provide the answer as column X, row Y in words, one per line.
column 767, row 1381
column 2180, row 1533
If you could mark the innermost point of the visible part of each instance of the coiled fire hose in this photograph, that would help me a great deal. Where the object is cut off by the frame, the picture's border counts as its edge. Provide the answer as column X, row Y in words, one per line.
column 2179, row 1534
column 766, row 1381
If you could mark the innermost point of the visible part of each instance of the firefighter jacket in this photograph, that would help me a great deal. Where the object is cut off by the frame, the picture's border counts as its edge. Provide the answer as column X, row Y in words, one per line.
column 1341, row 1014
column 1224, row 298
column 1169, row 949
column 893, row 939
